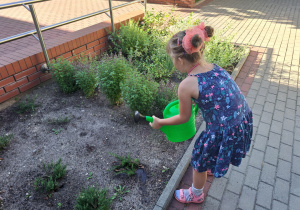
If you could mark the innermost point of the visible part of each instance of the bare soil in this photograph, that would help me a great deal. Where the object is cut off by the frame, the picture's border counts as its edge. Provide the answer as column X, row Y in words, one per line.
column 95, row 129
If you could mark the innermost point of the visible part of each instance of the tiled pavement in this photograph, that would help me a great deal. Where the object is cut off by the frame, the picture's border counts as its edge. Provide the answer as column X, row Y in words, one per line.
column 269, row 178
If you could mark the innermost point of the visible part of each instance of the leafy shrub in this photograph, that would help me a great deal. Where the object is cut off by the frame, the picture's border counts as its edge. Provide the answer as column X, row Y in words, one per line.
column 159, row 65
column 26, row 106
column 53, row 172
column 131, row 40
column 86, row 81
column 159, row 22
column 139, row 92
column 167, row 93
column 221, row 51
column 127, row 165
column 63, row 72
column 166, row 24
column 4, row 140
column 93, row 198
column 111, row 72
column 184, row 23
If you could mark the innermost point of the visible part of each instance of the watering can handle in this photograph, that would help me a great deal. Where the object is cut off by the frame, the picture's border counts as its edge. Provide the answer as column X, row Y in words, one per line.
column 196, row 110
column 149, row 119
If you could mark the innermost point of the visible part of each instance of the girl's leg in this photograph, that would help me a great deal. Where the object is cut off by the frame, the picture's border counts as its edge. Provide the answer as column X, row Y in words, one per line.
column 199, row 179
column 185, row 195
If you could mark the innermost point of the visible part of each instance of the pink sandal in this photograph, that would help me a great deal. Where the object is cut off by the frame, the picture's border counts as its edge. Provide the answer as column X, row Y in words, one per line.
column 209, row 173
column 194, row 199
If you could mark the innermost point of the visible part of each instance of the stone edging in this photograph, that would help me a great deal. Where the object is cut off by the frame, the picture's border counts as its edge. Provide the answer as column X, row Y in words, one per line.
column 179, row 172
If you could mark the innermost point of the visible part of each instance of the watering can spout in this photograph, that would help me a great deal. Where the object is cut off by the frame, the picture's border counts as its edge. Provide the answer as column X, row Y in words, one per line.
column 138, row 116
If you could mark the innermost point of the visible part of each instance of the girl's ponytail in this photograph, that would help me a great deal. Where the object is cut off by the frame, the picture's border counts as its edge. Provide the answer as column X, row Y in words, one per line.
column 209, row 31
column 196, row 41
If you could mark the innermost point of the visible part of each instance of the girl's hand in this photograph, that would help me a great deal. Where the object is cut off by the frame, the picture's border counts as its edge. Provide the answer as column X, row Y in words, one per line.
column 155, row 124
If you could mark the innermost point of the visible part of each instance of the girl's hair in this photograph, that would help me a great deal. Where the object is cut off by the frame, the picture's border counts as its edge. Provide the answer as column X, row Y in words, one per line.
column 175, row 49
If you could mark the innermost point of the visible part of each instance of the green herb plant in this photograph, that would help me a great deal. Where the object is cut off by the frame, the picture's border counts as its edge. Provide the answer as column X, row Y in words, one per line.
column 221, row 51
column 4, row 140
column 59, row 205
column 86, row 80
column 126, row 165
column 111, row 72
column 93, row 198
column 53, row 172
column 64, row 73
column 139, row 91
column 131, row 40
column 159, row 65
column 26, row 106
column 119, row 192
column 159, row 23
column 167, row 92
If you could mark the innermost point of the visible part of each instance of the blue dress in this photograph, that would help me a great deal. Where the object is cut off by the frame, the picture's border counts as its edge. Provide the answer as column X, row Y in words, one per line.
column 229, row 123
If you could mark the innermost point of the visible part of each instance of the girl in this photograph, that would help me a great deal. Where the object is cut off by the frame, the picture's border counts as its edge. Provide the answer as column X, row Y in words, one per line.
column 228, row 118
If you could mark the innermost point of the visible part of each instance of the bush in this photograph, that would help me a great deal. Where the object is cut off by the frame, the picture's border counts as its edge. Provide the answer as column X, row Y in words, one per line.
column 221, row 51
column 63, row 72
column 139, row 92
column 53, row 172
column 131, row 40
column 167, row 93
column 93, row 198
column 111, row 72
column 159, row 22
column 159, row 65
column 4, row 140
column 165, row 24
column 86, row 80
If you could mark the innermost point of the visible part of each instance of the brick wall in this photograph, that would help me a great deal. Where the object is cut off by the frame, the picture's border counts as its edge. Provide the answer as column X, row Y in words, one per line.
column 182, row 3
column 21, row 75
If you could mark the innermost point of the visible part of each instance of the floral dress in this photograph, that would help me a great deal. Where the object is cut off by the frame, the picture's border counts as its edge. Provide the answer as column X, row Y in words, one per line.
column 229, row 124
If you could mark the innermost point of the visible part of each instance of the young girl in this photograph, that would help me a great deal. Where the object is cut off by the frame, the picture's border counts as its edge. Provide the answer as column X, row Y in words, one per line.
column 228, row 118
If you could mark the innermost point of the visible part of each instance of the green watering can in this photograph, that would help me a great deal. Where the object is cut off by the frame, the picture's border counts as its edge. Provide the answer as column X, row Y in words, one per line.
column 175, row 133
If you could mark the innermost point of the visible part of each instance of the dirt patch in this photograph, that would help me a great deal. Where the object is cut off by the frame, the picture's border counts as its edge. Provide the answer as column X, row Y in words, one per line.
column 94, row 130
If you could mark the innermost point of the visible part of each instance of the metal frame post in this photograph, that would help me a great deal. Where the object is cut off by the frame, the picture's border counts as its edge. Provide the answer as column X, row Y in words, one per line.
column 111, row 17
column 145, row 2
column 37, row 26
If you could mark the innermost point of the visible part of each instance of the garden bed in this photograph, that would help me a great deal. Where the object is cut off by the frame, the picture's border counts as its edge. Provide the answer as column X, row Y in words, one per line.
column 95, row 129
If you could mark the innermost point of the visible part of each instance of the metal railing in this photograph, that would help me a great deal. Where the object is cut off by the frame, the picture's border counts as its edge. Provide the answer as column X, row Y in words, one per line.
column 18, row 3
column 40, row 30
